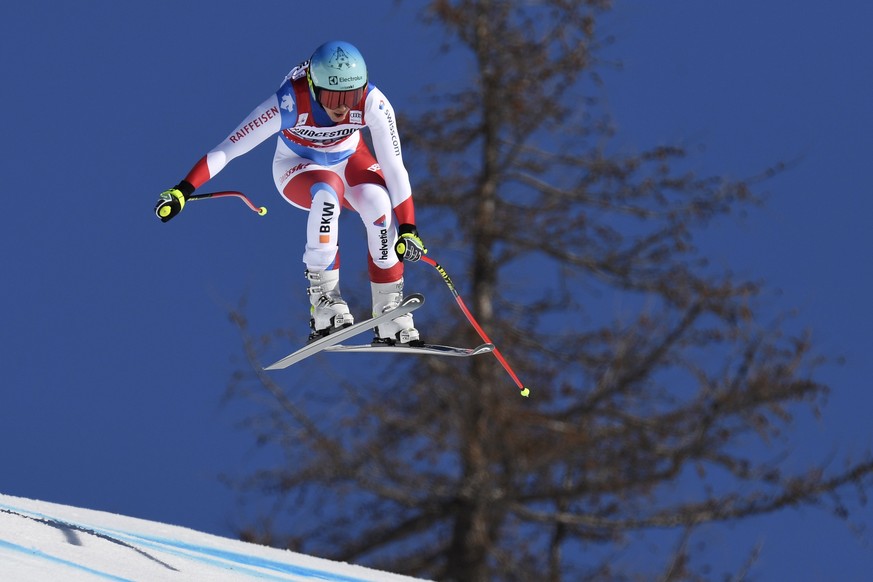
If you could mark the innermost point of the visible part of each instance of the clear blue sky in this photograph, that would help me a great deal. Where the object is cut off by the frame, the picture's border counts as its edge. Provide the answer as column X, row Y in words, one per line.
column 117, row 346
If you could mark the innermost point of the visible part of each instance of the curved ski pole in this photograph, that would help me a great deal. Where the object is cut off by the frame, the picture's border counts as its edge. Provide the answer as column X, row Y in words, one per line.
column 262, row 210
column 524, row 390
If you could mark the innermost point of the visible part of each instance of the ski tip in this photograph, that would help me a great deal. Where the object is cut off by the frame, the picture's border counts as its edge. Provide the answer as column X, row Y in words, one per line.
column 413, row 298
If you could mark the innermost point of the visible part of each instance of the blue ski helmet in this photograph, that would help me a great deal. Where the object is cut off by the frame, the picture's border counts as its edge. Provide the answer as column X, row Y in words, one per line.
column 337, row 74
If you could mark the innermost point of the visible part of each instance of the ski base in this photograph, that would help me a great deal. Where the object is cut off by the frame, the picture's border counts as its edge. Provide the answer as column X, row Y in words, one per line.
column 425, row 349
column 409, row 304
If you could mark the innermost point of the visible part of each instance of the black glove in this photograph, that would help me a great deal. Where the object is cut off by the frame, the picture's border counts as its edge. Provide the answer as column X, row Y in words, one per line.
column 409, row 245
column 172, row 201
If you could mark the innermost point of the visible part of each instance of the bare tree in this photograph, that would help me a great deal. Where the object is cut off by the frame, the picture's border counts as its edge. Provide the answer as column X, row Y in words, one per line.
column 441, row 471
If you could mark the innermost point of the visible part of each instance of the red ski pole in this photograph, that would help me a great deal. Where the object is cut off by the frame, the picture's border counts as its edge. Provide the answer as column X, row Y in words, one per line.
column 524, row 390
column 262, row 210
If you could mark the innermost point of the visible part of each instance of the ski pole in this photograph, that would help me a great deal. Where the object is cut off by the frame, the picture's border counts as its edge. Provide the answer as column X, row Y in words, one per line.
column 524, row 390
column 226, row 193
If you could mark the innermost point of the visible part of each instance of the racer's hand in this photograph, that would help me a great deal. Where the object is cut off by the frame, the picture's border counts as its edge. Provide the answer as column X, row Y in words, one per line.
column 170, row 204
column 172, row 201
column 409, row 245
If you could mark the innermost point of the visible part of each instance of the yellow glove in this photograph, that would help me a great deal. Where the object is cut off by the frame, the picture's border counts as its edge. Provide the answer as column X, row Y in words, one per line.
column 170, row 203
column 409, row 245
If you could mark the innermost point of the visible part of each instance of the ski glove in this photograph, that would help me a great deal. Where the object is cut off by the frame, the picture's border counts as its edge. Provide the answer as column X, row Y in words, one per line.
column 172, row 201
column 409, row 245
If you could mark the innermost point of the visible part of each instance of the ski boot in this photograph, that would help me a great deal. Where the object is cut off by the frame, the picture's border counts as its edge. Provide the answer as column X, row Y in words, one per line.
column 387, row 296
column 329, row 312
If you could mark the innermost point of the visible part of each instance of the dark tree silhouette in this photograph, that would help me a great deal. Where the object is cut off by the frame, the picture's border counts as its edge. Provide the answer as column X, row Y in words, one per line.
column 651, row 371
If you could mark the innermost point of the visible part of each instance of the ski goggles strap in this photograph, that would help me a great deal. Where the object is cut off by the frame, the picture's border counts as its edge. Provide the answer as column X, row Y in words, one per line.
column 333, row 99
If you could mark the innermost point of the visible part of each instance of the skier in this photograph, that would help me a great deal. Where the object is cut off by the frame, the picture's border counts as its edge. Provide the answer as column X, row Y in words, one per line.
column 321, row 164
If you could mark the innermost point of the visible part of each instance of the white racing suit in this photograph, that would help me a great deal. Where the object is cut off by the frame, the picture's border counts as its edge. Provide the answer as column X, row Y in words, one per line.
column 321, row 166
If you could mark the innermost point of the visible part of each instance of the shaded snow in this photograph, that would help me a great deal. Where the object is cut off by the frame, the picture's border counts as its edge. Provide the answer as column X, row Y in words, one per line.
column 42, row 541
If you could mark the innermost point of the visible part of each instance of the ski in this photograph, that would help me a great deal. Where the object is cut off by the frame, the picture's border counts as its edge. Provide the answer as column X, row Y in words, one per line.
column 410, row 303
column 428, row 349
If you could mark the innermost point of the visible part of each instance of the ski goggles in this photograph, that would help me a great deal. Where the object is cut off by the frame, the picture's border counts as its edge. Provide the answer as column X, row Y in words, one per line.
column 333, row 99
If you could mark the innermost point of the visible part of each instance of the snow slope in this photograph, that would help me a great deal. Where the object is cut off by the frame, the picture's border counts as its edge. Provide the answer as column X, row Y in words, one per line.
column 42, row 542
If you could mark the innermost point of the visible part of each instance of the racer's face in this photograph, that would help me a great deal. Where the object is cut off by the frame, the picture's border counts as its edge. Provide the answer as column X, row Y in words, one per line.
column 338, row 103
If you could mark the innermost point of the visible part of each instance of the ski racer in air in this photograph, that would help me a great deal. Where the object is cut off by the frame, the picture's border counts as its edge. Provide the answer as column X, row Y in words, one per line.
column 322, row 165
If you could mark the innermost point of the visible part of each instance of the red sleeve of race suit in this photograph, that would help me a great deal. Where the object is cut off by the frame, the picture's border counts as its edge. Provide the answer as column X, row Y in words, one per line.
column 405, row 212
column 199, row 174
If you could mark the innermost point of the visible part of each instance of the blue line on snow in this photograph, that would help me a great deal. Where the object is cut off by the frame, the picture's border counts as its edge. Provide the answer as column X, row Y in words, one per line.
column 49, row 558
column 209, row 555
